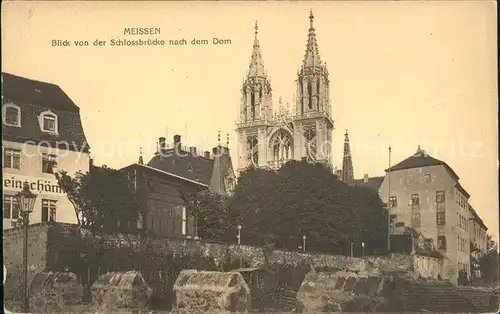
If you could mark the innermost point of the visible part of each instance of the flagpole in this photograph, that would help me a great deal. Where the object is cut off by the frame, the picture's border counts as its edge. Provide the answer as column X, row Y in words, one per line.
column 389, row 205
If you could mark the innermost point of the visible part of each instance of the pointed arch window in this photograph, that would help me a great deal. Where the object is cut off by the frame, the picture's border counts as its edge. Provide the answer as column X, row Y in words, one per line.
column 253, row 151
column 11, row 115
column 310, row 143
column 252, row 103
column 309, row 94
column 282, row 146
column 301, row 96
column 318, row 88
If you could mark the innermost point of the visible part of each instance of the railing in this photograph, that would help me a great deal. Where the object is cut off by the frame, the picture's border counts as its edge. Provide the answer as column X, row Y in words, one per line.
column 275, row 164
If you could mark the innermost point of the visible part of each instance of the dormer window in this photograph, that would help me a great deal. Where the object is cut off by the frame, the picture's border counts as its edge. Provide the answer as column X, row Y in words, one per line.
column 48, row 122
column 12, row 115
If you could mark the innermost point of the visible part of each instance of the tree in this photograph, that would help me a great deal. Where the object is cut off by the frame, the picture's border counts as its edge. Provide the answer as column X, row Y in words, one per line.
column 489, row 263
column 306, row 199
column 211, row 212
column 103, row 198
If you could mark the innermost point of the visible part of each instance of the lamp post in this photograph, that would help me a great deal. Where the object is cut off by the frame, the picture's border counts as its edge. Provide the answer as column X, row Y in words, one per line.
column 363, row 248
column 26, row 200
column 239, row 234
column 303, row 243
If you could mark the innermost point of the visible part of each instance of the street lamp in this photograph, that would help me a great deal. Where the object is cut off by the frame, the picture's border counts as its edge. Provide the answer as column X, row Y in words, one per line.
column 304, row 243
column 26, row 200
column 363, row 248
column 239, row 234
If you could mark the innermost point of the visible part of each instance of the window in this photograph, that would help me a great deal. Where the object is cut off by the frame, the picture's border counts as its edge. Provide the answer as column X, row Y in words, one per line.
column 12, row 115
column 48, row 121
column 12, row 158
column 439, row 196
column 442, row 243
column 230, row 185
column 184, row 221
column 393, row 202
column 49, row 163
column 140, row 221
column 10, row 207
column 441, row 218
column 415, row 220
column 427, row 178
column 48, row 210
column 415, row 200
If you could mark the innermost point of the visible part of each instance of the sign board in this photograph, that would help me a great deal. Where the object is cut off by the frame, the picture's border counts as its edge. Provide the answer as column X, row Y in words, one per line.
column 12, row 182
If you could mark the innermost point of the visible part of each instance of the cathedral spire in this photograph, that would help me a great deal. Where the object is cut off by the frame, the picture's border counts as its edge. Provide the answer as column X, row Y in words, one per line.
column 140, row 161
column 347, row 169
column 311, row 57
column 256, row 68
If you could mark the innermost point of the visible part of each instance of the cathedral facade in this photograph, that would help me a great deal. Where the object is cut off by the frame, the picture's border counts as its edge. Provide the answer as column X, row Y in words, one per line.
column 271, row 134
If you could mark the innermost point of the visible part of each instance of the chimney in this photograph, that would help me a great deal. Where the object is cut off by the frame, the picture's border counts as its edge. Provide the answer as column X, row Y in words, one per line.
column 365, row 178
column 177, row 139
column 91, row 163
column 162, row 143
column 206, row 154
column 192, row 150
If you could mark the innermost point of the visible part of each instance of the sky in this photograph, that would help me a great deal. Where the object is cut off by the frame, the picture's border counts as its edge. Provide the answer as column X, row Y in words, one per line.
column 403, row 73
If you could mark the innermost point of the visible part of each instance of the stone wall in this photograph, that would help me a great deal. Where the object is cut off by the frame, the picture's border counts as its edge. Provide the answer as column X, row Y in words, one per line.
column 420, row 266
column 45, row 240
column 13, row 242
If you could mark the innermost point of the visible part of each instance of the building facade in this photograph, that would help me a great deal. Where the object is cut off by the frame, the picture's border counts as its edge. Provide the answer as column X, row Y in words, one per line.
column 172, row 172
column 425, row 194
column 42, row 133
column 269, row 135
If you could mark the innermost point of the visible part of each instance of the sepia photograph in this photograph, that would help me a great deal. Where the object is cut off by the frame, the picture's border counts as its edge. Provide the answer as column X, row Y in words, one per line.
column 250, row 156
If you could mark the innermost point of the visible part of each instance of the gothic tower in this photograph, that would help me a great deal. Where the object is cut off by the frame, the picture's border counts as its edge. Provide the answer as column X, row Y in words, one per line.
column 313, row 122
column 347, row 169
column 255, row 111
column 270, row 136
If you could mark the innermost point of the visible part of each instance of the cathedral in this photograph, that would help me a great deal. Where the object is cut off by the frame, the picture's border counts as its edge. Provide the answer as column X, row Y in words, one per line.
column 271, row 134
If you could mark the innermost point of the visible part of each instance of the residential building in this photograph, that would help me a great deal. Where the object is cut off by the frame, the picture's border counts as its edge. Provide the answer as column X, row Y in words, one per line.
column 172, row 172
column 42, row 132
column 478, row 232
column 269, row 135
column 478, row 240
column 426, row 195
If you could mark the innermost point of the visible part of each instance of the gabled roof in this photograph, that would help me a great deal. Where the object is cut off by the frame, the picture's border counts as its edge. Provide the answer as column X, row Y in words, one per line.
column 194, row 168
column 372, row 183
column 161, row 172
column 419, row 160
column 222, row 168
column 33, row 98
column 426, row 248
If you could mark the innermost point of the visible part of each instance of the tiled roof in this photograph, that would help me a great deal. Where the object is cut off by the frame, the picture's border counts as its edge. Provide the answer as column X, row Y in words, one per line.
column 196, row 168
column 161, row 172
column 372, row 183
column 33, row 98
column 422, row 159
column 29, row 91
column 477, row 218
